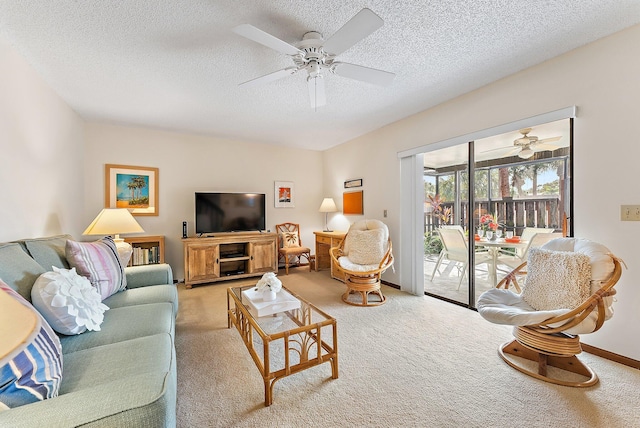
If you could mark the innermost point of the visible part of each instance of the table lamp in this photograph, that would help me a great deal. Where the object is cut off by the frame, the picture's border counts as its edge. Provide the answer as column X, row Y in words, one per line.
column 114, row 221
column 327, row 206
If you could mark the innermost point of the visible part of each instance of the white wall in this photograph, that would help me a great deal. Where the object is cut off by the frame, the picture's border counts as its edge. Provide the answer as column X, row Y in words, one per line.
column 190, row 163
column 601, row 79
column 41, row 155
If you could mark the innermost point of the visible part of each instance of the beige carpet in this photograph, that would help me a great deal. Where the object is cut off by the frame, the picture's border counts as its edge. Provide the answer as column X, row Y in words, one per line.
column 413, row 362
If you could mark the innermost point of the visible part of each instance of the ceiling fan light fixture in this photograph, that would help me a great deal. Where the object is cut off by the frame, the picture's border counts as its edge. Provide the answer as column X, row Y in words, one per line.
column 526, row 153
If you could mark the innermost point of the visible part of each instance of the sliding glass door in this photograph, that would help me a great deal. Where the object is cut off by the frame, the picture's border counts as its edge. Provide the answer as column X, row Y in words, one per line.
column 520, row 183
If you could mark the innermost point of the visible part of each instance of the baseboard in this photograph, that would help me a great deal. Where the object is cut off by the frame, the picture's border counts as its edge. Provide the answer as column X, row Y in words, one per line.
column 630, row 362
column 390, row 284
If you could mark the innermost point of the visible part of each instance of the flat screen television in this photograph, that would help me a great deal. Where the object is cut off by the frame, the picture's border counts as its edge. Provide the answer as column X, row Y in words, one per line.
column 218, row 212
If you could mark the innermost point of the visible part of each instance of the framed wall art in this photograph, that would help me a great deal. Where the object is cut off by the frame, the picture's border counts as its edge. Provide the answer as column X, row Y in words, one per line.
column 353, row 183
column 352, row 203
column 132, row 187
column 284, row 194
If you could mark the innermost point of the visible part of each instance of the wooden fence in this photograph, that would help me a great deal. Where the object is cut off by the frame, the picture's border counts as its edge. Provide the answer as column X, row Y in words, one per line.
column 513, row 214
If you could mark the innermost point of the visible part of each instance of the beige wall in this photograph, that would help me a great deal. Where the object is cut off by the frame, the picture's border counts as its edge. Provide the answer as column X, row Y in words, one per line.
column 601, row 79
column 190, row 163
column 41, row 155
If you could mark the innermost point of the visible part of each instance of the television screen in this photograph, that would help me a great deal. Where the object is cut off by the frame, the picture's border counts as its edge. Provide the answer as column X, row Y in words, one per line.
column 230, row 212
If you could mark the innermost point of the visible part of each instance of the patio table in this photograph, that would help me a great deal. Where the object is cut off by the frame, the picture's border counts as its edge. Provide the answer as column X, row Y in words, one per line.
column 494, row 249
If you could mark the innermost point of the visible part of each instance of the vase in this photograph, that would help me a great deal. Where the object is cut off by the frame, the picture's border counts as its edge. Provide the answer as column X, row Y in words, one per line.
column 268, row 295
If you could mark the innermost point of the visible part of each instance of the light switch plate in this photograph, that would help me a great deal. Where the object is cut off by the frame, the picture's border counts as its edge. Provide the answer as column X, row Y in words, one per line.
column 630, row 212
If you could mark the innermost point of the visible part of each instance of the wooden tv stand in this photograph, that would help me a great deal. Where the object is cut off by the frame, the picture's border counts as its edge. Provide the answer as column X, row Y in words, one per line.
column 228, row 256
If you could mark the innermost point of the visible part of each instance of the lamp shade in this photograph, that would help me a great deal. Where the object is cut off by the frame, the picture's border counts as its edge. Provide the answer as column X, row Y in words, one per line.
column 113, row 221
column 328, row 206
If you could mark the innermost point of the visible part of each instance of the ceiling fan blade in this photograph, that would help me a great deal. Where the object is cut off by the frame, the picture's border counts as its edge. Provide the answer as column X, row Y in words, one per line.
column 357, row 28
column 506, row 151
column 266, row 39
column 316, row 91
column 543, row 147
column 548, row 140
column 365, row 74
column 270, row 77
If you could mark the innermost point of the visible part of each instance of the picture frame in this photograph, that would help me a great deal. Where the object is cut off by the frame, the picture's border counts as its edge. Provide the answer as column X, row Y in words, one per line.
column 353, row 203
column 132, row 187
column 284, row 194
column 353, row 183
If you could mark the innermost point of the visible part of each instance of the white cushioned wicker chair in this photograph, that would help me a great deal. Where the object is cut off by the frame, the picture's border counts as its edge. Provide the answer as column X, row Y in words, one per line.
column 363, row 256
column 549, row 335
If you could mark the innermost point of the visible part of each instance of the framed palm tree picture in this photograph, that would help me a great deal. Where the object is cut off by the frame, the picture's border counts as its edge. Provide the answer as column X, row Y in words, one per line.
column 132, row 187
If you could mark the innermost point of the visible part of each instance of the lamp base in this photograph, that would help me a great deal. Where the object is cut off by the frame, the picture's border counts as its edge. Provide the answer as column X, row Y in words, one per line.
column 125, row 250
column 327, row 230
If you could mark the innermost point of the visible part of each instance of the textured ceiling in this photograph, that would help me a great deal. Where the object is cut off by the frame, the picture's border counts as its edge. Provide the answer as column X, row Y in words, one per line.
column 176, row 65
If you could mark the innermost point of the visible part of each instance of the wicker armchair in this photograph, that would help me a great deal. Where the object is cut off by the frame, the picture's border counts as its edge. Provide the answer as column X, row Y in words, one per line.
column 363, row 256
column 551, row 337
column 290, row 245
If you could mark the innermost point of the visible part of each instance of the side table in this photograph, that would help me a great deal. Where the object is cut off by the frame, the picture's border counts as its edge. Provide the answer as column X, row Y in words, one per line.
column 324, row 242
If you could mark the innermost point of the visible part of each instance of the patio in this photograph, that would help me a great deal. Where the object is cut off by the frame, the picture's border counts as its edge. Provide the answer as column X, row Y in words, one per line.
column 445, row 284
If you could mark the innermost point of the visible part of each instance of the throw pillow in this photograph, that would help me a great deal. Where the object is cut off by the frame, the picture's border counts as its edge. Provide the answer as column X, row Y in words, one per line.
column 68, row 301
column 366, row 247
column 556, row 279
column 34, row 372
column 98, row 262
column 290, row 239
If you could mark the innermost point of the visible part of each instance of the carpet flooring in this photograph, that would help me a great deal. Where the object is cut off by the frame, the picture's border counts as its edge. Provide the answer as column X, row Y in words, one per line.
column 413, row 362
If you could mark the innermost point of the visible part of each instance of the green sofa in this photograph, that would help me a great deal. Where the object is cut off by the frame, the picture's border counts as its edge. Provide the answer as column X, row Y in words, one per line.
column 121, row 376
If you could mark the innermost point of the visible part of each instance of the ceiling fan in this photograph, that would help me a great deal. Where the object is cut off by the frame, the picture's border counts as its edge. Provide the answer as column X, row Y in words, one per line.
column 318, row 56
column 527, row 145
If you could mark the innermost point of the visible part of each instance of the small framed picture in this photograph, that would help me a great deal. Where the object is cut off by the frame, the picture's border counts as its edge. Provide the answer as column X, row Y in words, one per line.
column 132, row 187
column 353, row 183
column 284, row 194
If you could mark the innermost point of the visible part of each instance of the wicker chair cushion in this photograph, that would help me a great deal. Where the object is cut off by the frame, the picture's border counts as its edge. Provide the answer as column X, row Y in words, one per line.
column 348, row 264
column 557, row 279
column 290, row 240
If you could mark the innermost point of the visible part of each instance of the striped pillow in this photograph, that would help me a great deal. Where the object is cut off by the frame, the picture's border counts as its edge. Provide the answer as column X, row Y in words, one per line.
column 35, row 372
column 98, row 262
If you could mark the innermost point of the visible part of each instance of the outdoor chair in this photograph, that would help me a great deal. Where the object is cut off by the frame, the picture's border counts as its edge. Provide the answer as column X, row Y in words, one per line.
column 568, row 291
column 363, row 256
column 456, row 249
column 290, row 245
column 514, row 259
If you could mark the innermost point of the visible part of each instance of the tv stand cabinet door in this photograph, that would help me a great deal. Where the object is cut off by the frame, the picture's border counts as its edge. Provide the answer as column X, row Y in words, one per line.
column 202, row 262
column 263, row 256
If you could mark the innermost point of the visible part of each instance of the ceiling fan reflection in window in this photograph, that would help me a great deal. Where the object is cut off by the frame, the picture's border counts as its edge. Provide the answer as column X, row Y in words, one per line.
column 317, row 56
column 527, row 145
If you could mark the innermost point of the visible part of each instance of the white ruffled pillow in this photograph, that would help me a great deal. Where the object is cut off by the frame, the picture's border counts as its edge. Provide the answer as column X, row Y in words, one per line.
column 366, row 247
column 68, row 301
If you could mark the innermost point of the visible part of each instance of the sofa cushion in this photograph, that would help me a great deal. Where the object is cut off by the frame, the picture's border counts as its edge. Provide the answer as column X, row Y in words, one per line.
column 68, row 301
column 34, row 372
column 18, row 270
column 124, row 323
column 49, row 251
column 167, row 293
column 125, row 384
column 99, row 262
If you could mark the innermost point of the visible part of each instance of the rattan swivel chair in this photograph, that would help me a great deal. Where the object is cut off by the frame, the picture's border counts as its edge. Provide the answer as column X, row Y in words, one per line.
column 550, row 337
column 362, row 257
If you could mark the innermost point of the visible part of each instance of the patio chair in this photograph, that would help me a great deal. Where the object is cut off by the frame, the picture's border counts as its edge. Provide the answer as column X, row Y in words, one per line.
column 363, row 256
column 515, row 259
column 456, row 249
column 568, row 292
column 290, row 245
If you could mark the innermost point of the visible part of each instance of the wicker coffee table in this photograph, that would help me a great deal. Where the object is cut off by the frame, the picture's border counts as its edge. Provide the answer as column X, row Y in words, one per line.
column 285, row 342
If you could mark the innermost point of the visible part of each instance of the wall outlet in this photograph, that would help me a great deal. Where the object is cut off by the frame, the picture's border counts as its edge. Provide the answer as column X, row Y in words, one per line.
column 630, row 212
column 385, row 213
